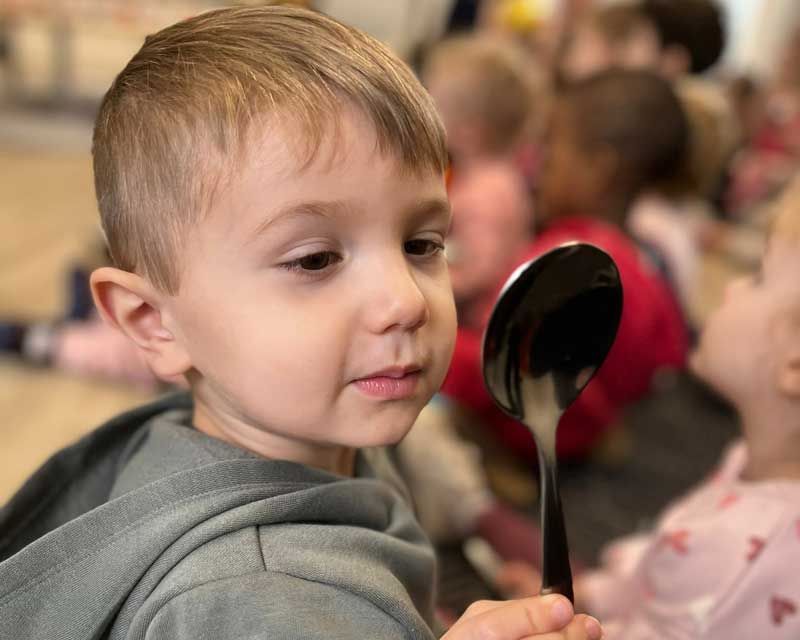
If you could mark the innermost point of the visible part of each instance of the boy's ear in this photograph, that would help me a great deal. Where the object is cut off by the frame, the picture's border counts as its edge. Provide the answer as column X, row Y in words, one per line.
column 129, row 303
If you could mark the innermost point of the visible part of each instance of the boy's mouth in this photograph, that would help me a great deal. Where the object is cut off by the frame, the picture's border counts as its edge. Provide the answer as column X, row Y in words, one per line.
column 392, row 383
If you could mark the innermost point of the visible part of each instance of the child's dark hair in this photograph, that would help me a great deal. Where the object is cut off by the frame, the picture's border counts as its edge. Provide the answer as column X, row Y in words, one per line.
column 695, row 25
column 617, row 22
column 638, row 116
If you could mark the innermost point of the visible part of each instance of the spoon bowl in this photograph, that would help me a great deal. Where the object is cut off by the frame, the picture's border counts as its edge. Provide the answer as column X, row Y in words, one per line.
column 551, row 328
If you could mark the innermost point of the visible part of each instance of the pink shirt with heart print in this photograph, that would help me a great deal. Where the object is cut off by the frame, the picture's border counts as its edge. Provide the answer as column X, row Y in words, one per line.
column 720, row 563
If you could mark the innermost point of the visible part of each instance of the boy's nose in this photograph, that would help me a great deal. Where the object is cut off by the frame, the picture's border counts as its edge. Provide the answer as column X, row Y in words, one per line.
column 397, row 301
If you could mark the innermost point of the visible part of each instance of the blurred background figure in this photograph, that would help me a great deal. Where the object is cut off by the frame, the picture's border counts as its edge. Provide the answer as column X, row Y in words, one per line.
column 605, row 158
column 671, row 37
column 770, row 119
column 486, row 92
column 680, row 40
column 619, row 151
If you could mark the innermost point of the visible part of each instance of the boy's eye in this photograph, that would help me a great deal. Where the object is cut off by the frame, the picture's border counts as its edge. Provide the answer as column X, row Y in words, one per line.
column 313, row 261
column 423, row 247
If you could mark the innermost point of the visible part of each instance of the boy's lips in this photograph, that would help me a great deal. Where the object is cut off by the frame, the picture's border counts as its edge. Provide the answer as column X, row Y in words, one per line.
column 392, row 383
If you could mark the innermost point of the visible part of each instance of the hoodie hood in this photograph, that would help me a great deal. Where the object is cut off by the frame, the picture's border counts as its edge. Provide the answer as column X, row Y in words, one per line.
column 77, row 557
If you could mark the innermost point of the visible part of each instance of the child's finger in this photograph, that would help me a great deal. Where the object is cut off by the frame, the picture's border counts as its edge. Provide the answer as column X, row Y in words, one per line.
column 513, row 620
column 582, row 627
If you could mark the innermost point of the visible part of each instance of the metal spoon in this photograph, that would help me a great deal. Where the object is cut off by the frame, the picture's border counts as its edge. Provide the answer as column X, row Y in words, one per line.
column 550, row 330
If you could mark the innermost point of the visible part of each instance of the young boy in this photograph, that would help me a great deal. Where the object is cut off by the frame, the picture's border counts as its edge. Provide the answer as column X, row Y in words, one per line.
column 271, row 186
column 720, row 562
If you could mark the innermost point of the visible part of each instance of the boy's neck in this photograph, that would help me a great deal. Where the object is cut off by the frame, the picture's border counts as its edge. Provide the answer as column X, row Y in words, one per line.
column 773, row 447
column 333, row 459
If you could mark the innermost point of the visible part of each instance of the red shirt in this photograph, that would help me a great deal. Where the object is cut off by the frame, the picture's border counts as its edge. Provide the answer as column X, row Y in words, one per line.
column 652, row 335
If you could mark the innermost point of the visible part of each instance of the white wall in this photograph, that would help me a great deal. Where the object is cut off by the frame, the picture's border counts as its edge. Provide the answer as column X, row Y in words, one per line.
column 758, row 30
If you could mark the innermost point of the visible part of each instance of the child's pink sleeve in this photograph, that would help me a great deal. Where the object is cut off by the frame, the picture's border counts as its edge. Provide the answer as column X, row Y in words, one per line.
column 719, row 564
column 609, row 591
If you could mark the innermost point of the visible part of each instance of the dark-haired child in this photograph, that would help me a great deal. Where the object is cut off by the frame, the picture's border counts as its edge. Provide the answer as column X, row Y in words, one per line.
column 615, row 139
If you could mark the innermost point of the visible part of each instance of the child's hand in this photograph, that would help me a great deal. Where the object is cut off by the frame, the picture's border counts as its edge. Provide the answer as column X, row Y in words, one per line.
column 518, row 580
column 551, row 617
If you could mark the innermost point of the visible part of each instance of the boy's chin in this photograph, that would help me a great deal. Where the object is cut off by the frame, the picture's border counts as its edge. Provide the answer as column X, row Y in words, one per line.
column 390, row 431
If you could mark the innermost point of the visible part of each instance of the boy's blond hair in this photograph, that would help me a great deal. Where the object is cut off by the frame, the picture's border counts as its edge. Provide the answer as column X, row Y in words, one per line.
column 177, row 119
column 495, row 81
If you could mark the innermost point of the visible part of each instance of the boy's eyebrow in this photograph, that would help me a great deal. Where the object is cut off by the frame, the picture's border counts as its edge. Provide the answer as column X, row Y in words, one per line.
column 432, row 207
column 323, row 208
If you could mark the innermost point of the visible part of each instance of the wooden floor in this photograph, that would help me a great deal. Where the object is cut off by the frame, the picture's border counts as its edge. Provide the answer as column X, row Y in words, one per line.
column 47, row 220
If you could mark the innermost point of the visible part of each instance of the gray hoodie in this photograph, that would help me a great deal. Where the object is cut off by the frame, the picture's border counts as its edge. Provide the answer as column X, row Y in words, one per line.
column 148, row 529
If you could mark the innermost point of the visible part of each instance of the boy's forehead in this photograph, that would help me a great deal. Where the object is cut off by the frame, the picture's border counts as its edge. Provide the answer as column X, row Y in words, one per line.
column 284, row 145
column 284, row 166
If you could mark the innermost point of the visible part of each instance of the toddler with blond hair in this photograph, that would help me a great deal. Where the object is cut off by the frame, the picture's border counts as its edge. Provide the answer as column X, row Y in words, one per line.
column 271, row 186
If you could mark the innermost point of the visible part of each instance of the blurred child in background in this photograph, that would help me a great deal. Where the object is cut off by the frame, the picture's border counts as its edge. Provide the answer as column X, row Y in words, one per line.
column 672, row 37
column 628, row 136
column 719, row 563
column 615, row 138
column 771, row 155
column 485, row 91
column 617, row 35
column 678, row 39
column 77, row 342
column 492, row 224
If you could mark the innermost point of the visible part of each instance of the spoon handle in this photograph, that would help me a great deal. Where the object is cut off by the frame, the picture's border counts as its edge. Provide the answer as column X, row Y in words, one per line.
column 556, row 573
